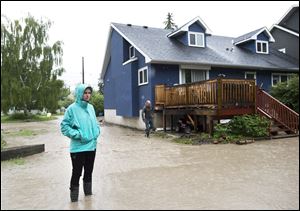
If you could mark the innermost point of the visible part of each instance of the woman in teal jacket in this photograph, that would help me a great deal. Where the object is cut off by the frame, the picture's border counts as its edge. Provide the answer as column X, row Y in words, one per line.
column 81, row 126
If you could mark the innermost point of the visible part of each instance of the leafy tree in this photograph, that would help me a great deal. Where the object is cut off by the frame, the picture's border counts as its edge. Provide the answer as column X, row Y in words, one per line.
column 101, row 87
column 169, row 23
column 29, row 65
column 288, row 93
column 97, row 101
column 66, row 98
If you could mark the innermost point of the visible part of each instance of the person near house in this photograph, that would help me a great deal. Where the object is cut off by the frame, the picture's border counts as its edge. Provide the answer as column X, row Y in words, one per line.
column 147, row 115
column 81, row 126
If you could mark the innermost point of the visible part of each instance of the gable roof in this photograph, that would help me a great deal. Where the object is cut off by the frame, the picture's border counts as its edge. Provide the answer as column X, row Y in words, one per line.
column 288, row 14
column 284, row 29
column 253, row 36
column 281, row 23
column 154, row 44
column 186, row 26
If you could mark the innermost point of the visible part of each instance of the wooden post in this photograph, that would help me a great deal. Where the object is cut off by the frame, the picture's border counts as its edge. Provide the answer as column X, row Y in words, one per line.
column 256, row 90
column 164, row 120
column 219, row 95
column 172, row 122
column 209, row 124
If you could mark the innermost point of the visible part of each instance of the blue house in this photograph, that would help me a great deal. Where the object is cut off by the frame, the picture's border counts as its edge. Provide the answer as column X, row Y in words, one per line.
column 139, row 58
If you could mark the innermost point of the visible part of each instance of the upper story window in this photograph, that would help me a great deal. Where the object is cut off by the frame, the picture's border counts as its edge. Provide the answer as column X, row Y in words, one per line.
column 262, row 47
column 196, row 39
column 143, row 76
column 131, row 52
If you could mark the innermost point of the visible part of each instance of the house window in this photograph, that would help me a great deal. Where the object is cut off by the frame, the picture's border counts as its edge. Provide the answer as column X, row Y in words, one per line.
column 190, row 76
column 280, row 77
column 262, row 47
column 250, row 75
column 131, row 52
column 196, row 39
column 143, row 76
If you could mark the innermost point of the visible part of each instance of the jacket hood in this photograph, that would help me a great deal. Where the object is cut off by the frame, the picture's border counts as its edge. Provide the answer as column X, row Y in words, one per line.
column 79, row 94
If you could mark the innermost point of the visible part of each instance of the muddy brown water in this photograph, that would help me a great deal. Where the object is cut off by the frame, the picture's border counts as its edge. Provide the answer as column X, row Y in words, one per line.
column 133, row 172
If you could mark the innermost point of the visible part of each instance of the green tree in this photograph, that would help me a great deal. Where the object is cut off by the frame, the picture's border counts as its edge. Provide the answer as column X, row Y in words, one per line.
column 288, row 93
column 97, row 101
column 101, row 86
column 29, row 65
column 169, row 23
column 66, row 98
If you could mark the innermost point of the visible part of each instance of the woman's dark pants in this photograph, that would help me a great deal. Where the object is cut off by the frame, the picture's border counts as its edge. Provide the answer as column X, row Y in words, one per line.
column 82, row 160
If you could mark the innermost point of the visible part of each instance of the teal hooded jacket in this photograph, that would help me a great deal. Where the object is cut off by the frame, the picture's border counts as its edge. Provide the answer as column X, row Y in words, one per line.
column 80, row 123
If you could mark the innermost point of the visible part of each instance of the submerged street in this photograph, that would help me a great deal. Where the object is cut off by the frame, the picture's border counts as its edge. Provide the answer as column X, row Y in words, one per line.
column 133, row 172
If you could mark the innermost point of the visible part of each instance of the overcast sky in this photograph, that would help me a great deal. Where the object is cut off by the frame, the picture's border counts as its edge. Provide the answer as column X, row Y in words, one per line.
column 83, row 26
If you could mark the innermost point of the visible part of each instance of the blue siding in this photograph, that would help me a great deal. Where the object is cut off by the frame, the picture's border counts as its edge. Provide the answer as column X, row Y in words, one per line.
column 126, row 46
column 250, row 45
column 229, row 73
column 183, row 38
column 195, row 27
column 163, row 74
column 121, row 81
column 263, row 36
column 263, row 77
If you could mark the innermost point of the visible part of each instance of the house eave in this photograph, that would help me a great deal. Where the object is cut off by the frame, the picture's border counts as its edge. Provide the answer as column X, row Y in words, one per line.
column 223, row 65
column 284, row 29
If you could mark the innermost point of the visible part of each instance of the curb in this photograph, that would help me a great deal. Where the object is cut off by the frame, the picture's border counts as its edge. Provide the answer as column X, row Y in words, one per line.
column 21, row 151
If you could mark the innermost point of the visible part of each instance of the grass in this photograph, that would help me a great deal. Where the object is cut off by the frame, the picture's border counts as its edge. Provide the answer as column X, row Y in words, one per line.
column 191, row 139
column 3, row 143
column 23, row 132
column 17, row 161
column 35, row 118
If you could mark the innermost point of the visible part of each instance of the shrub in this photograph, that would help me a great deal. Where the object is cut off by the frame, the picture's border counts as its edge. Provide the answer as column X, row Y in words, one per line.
column 97, row 101
column 20, row 116
column 246, row 125
column 288, row 93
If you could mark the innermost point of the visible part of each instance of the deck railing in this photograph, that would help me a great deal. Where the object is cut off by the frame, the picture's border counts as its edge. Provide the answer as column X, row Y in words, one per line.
column 222, row 93
column 278, row 111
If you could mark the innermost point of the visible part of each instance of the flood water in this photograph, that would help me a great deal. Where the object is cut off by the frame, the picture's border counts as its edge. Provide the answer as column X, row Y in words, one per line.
column 133, row 172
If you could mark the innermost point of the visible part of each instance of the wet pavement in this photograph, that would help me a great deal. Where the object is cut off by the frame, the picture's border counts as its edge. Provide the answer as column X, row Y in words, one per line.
column 133, row 172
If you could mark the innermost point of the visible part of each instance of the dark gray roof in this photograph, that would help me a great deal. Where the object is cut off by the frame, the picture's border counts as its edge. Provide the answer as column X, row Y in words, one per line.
column 219, row 51
column 246, row 36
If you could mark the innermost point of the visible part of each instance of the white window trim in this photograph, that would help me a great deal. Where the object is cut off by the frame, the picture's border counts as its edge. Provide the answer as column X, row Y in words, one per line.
column 261, row 42
column 195, row 33
column 131, row 56
column 130, row 60
column 181, row 70
column 142, row 70
column 280, row 74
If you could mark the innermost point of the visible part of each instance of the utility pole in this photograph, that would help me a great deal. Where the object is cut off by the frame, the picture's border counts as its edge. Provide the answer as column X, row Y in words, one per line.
column 83, row 70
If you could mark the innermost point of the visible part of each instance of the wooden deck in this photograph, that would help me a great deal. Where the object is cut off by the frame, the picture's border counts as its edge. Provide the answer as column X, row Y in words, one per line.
column 211, row 99
column 219, row 97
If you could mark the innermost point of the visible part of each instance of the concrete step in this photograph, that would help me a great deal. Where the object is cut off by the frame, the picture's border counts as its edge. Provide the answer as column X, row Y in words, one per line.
column 21, row 151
